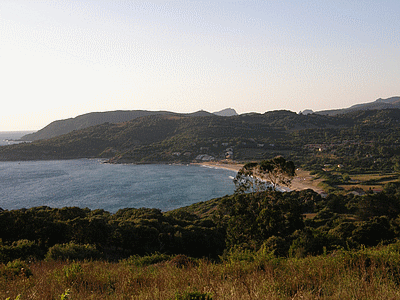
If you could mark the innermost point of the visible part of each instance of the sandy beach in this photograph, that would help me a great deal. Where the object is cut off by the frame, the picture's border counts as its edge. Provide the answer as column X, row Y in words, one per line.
column 302, row 181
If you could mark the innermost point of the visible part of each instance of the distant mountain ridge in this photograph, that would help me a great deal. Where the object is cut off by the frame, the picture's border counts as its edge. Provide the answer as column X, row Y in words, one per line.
column 228, row 112
column 61, row 127
column 172, row 138
column 389, row 103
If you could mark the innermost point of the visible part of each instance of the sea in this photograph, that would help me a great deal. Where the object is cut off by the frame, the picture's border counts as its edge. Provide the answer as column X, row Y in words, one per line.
column 94, row 184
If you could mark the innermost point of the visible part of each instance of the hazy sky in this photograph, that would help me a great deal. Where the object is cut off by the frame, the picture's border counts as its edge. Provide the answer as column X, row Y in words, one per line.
column 60, row 59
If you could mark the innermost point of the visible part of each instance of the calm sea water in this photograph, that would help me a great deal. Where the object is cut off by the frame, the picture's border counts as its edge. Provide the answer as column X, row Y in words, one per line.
column 92, row 184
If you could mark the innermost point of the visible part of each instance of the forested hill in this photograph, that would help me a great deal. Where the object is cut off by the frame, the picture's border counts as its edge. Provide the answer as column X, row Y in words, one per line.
column 389, row 103
column 61, row 127
column 177, row 138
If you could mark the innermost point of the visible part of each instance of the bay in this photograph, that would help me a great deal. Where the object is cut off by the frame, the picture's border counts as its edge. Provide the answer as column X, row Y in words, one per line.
column 93, row 184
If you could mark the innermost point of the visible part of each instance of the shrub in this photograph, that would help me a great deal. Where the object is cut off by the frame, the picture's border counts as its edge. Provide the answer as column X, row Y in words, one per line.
column 16, row 268
column 147, row 260
column 22, row 249
column 275, row 245
column 182, row 261
column 237, row 254
column 193, row 296
column 245, row 259
column 72, row 274
column 72, row 251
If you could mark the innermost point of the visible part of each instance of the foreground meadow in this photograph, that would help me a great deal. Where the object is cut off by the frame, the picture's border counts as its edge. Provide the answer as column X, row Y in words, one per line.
column 358, row 274
column 262, row 245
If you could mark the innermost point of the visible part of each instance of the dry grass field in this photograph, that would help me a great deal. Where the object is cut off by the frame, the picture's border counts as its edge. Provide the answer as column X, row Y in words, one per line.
column 359, row 274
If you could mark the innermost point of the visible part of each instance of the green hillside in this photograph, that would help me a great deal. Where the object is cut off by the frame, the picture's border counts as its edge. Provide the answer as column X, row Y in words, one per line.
column 61, row 127
column 171, row 138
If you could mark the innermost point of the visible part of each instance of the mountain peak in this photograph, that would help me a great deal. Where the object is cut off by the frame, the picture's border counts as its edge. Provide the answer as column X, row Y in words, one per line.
column 227, row 112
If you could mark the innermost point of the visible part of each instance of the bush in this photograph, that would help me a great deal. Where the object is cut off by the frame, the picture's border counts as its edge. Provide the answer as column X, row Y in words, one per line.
column 237, row 254
column 193, row 296
column 72, row 274
column 147, row 260
column 22, row 249
column 182, row 261
column 246, row 259
column 15, row 268
column 72, row 251
column 275, row 245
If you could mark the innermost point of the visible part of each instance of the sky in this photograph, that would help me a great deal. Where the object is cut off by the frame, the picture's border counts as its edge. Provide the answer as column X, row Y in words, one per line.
column 60, row 59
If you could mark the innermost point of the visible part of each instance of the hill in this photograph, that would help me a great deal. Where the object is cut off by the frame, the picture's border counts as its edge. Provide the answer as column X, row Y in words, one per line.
column 61, row 127
column 368, row 136
column 165, row 137
column 389, row 103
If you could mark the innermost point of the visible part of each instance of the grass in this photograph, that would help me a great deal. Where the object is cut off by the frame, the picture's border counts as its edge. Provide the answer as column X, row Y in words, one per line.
column 357, row 181
column 368, row 181
column 363, row 274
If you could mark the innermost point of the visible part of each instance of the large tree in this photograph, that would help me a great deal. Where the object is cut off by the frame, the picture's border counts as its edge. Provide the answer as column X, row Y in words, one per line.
column 251, row 219
column 267, row 173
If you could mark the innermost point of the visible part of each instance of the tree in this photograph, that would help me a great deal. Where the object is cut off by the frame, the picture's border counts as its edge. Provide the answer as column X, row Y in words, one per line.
column 254, row 176
column 245, row 180
column 251, row 219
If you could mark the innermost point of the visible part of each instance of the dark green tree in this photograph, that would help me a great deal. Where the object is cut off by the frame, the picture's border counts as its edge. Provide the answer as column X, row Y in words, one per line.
column 250, row 219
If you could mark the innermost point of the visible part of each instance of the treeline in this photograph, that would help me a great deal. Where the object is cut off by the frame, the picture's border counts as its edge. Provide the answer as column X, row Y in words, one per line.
column 33, row 232
column 284, row 224
column 303, row 223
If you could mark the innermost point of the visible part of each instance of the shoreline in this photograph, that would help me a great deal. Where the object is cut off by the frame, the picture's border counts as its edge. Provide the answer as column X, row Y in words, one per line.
column 302, row 181
column 218, row 165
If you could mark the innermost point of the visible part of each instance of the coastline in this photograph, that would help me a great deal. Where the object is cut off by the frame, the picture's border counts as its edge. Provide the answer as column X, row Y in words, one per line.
column 302, row 181
column 219, row 165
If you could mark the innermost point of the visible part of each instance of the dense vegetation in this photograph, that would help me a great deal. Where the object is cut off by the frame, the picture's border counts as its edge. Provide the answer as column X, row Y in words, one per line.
column 250, row 221
column 33, row 232
column 240, row 238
